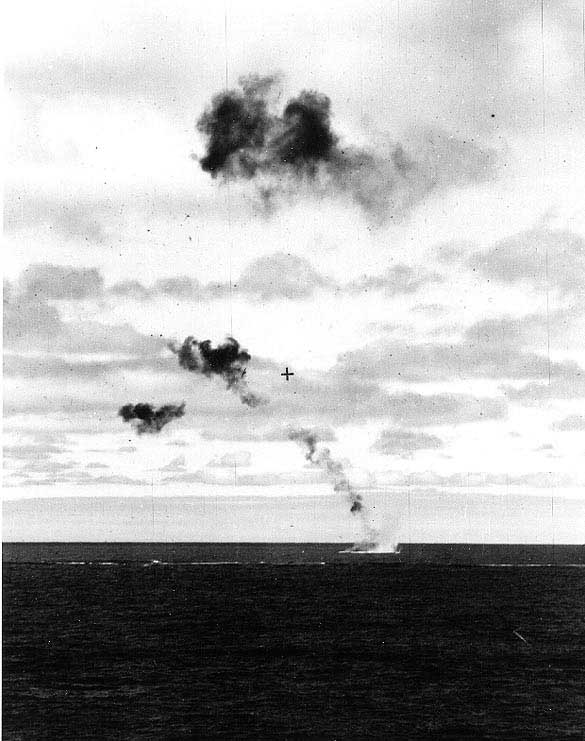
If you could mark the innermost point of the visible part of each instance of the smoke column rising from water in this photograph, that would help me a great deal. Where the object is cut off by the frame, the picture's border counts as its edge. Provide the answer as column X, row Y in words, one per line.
column 322, row 458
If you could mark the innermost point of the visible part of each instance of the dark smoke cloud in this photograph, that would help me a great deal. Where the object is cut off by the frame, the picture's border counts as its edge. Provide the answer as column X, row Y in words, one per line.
column 307, row 137
column 150, row 419
column 228, row 360
column 236, row 127
column 322, row 458
column 246, row 139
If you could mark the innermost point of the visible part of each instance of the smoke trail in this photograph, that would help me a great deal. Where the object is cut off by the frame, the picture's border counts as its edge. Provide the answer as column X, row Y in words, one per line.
column 150, row 419
column 228, row 360
column 322, row 458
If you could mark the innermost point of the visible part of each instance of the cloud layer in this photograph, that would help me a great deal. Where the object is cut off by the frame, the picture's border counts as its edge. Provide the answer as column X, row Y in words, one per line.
column 543, row 258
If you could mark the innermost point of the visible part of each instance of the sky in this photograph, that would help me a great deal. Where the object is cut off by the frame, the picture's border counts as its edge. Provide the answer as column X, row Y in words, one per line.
column 424, row 284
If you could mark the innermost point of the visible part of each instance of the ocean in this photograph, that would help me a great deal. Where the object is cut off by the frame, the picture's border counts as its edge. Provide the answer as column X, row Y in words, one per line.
column 269, row 641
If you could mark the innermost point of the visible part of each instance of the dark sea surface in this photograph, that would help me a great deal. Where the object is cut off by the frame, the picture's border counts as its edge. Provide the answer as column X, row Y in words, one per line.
column 122, row 646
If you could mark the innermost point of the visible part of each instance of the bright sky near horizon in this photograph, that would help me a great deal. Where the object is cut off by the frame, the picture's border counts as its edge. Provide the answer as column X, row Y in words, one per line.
column 430, row 304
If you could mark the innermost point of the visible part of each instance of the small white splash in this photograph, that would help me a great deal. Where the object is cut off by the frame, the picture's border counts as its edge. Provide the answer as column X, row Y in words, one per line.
column 386, row 548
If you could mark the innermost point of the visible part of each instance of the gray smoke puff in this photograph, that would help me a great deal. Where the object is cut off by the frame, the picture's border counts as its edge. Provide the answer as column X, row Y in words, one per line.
column 322, row 458
column 150, row 419
column 228, row 361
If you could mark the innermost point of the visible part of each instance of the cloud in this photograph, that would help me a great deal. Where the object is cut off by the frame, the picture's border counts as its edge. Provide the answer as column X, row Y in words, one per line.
column 540, row 257
column 28, row 316
column 567, row 382
column 240, row 458
column 38, row 457
column 432, row 310
column 55, row 366
column 223, row 430
column 267, row 432
column 417, row 410
column 175, row 287
column 404, row 442
column 572, row 423
column 328, row 398
column 36, row 465
column 335, row 398
column 167, row 60
column 277, row 276
column 450, row 32
column 65, row 220
column 132, row 289
column 175, row 465
column 281, row 479
column 180, row 286
column 61, row 282
column 188, row 477
column 31, row 324
column 114, row 479
column 67, row 474
column 511, row 334
column 40, row 283
column 219, row 477
column 49, row 437
column 396, row 280
column 39, row 451
column 323, row 433
column 325, row 399
column 142, row 75
column 489, row 349
column 392, row 179
column 280, row 276
column 470, row 480
column 544, row 447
